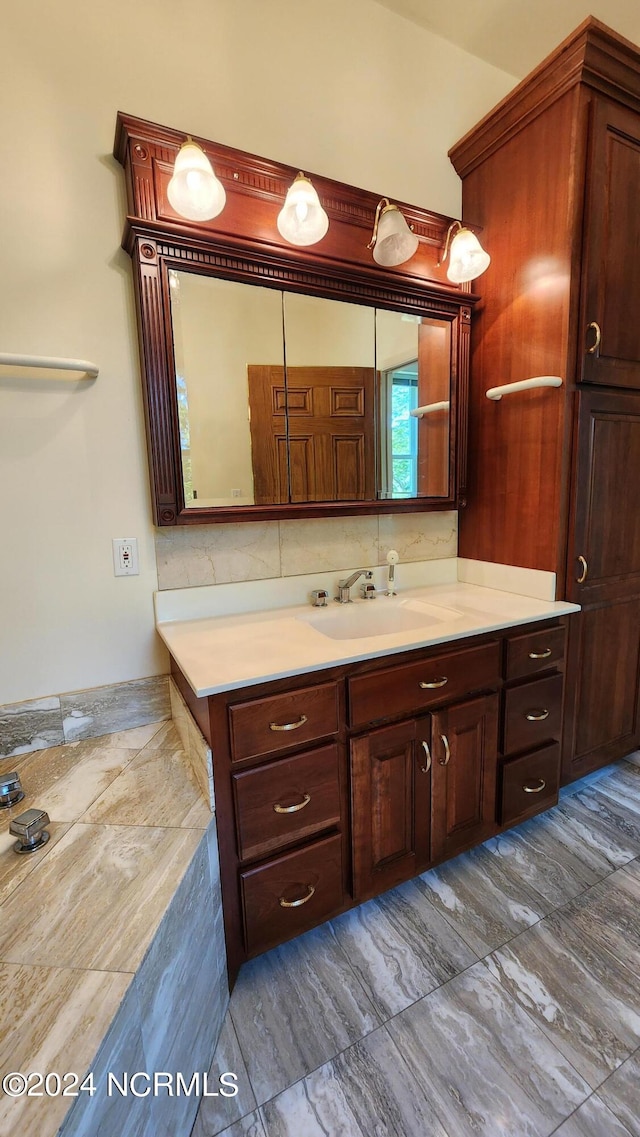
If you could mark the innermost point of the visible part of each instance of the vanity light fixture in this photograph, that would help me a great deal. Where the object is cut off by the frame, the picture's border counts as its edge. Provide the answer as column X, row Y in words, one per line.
column 302, row 220
column 467, row 258
column 194, row 190
column 392, row 241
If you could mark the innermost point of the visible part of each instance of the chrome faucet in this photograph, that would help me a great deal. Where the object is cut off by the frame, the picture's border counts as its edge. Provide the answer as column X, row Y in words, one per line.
column 344, row 586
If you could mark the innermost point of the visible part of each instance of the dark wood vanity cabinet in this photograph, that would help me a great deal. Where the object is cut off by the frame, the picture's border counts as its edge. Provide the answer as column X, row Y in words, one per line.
column 553, row 175
column 334, row 786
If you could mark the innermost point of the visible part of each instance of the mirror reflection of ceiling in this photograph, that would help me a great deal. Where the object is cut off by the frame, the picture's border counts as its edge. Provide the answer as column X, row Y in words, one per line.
column 515, row 35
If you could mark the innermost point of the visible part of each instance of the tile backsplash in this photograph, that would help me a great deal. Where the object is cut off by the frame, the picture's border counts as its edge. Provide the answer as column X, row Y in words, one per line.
column 188, row 556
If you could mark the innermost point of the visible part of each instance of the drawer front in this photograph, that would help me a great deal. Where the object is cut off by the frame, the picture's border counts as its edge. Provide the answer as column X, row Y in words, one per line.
column 286, row 897
column 412, row 687
column 278, row 722
column 535, row 651
column 286, row 801
column 533, row 714
column 530, row 783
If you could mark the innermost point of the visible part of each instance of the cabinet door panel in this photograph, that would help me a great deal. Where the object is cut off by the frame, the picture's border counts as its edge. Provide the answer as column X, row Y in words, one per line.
column 465, row 740
column 606, row 530
column 602, row 683
column 612, row 237
column 390, row 791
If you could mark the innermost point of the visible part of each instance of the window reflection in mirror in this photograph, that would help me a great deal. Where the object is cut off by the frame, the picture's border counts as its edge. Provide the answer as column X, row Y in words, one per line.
column 413, row 363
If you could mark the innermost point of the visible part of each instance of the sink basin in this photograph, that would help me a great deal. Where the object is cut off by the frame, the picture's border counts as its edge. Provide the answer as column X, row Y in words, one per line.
column 384, row 616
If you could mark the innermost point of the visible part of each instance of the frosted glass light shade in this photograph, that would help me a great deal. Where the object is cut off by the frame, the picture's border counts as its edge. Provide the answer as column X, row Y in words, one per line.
column 302, row 220
column 394, row 242
column 194, row 190
column 467, row 258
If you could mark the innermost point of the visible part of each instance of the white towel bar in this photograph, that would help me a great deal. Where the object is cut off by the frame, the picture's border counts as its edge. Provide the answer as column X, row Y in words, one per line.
column 51, row 364
column 496, row 393
column 429, row 409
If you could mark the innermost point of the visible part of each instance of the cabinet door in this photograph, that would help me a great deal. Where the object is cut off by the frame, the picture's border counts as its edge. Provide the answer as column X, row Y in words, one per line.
column 611, row 289
column 602, row 720
column 603, row 575
column 390, row 803
column 604, row 551
column 464, row 749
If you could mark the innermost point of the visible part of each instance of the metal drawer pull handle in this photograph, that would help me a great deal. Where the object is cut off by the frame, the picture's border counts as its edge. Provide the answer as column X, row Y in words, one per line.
column 535, row 789
column 585, row 569
column 540, row 654
column 436, row 683
column 537, row 716
column 594, row 347
column 447, row 752
column 296, row 903
column 288, row 725
column 427, row 766
column 293, row 808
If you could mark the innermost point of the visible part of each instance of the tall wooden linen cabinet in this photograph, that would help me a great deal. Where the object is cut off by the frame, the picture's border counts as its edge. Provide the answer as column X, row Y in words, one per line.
column 553, row 177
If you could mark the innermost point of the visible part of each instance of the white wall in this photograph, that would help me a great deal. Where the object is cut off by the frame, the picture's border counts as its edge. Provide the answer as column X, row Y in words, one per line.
column 346, row 90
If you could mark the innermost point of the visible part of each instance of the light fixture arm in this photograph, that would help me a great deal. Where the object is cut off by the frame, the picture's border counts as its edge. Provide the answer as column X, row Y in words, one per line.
column 448, row 241
column 374, row 237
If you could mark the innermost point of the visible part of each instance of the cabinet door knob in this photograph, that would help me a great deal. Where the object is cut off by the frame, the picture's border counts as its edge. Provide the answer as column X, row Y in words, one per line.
column 585, row 569
column 293, row 808
column 535, row 789
column 447, row 751
column 436, row 683
column 596, row 344
column 540, row 654
column 288, row 725
column 537, row 716
column 427, row 766
column 296, row 903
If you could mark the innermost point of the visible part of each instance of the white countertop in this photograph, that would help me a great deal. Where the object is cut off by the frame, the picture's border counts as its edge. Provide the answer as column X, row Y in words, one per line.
column 222, row 653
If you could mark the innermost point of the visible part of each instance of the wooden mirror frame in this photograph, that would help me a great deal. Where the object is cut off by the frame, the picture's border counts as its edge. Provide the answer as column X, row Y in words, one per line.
column 243, row 244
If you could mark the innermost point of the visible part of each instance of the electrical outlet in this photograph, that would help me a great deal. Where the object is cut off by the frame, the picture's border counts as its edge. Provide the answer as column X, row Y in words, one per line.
column 125, row 556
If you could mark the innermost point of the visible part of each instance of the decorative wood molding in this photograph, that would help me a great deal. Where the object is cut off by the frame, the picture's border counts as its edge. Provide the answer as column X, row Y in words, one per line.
column 243, row 244
column 592, row 55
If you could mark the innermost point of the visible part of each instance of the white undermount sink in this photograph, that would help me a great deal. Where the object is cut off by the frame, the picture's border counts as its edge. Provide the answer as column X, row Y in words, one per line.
column 386, row 615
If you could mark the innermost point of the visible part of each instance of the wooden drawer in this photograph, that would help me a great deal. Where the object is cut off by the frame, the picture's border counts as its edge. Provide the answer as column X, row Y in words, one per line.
column 530, row 784
column 278, row 722
column 411, row 687
column 535, row 651
column 532, row 714
column 286, row 801
column 286, row 897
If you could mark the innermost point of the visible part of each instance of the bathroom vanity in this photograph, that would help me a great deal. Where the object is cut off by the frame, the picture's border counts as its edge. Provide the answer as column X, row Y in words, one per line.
column 343, row 779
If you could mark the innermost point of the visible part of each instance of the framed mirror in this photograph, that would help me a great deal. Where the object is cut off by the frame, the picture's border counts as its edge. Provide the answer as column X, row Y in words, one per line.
column 289, row 382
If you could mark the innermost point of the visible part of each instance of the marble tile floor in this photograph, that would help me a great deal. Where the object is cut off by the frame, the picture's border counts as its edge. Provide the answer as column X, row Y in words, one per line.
column 495, row 996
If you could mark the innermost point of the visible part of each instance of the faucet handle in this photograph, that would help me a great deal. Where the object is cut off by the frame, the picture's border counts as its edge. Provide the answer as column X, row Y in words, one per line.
column 319, row 597
column 29, row 828
column 11, row 791
column 368, row 591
